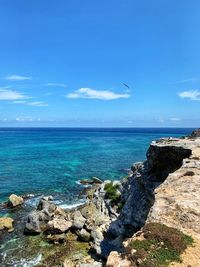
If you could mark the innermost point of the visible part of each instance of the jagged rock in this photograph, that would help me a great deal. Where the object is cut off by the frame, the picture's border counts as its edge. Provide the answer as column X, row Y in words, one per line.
column 98, row 238
column 14, row 201
column 47, row 206
column 60, row 212
column 36, row 222
column 92, row 181
column 58, row 225
column 138, row 189
column 6, row 223
column 48, row 198
column 79, row 220
column 177, row 199
column 116, row 260
column 83, row 235
column 68, row 263
column 195, row 133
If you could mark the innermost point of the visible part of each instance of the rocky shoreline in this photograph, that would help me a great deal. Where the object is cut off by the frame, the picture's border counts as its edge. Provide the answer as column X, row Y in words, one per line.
column 164, row 189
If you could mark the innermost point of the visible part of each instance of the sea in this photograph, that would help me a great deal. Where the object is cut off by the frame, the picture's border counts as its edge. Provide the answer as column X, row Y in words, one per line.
column 51, row 161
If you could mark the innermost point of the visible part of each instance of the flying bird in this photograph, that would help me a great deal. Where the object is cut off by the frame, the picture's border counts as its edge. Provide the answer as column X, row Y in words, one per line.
column 126, row 85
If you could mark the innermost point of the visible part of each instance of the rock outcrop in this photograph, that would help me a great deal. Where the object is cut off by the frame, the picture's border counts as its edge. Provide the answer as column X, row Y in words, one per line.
column 15, row 201
column 165, row 189
column 6, row 223
column 195, row 133
column 177, row 198
column 163, row 158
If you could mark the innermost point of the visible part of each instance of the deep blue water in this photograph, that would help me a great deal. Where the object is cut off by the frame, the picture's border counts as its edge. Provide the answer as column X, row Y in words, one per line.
column 51, row 160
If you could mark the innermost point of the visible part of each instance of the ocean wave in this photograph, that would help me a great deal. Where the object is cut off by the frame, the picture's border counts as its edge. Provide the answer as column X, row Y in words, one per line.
column 27, row 262
column 83, row 185
column 72, row 206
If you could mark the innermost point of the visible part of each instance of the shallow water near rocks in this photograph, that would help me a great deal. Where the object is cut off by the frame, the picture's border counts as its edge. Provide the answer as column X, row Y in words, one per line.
column 51, row 162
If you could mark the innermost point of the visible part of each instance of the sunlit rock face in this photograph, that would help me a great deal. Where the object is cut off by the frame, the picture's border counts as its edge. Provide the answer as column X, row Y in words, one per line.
column 163, row 157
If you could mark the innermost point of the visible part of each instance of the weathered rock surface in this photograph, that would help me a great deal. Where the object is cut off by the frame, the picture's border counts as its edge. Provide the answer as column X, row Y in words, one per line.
column 171, row 175
column 177, row 199
column 116, row 260
column 195, row 133
column 79, row 220
column 58, row 226
column 6, row 223
column 163, row 158
column 14, row 201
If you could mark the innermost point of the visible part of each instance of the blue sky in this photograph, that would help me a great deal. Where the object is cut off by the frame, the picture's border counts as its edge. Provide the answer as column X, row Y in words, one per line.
column 63, row 63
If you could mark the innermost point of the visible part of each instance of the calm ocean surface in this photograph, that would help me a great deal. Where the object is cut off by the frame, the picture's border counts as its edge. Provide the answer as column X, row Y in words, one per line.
column 52, row 160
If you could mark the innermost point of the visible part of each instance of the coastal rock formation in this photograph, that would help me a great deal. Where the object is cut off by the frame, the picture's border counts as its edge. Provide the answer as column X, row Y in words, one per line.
column 15, row 201
column 165, row 190
column 195, row 133
column 177, row 198
column 163, row 158
column 6, row 223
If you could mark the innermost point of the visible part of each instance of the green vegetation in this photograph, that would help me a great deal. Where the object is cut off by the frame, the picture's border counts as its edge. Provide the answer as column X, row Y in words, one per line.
column 112, row 193
column 160, row 246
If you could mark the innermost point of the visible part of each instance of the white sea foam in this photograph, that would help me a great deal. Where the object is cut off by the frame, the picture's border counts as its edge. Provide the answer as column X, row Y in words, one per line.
column 83, row 185
column 28, row 262
column 72, row 206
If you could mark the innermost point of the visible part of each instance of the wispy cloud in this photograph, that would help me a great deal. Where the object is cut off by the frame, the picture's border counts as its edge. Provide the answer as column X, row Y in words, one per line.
column 37, row 104
column 34, row 104
column 25, row 118
column 56, row 85
column 8, row 94
column 193, row 95
column 175, row 119
column 17, row 78
column 96, row 94
column 190, row 80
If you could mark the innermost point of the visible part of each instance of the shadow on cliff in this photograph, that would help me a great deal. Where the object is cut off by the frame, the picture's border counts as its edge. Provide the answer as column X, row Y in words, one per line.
column 138, row 193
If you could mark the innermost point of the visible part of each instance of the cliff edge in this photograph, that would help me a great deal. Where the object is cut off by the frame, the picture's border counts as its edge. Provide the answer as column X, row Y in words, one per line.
column 164, row 190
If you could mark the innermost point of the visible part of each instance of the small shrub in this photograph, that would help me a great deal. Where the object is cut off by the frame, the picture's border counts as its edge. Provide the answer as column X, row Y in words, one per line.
column 162, row 245
column 112, row 193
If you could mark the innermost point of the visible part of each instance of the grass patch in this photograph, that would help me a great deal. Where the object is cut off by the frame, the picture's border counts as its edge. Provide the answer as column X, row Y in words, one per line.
column 112, row 193
column 161, row 245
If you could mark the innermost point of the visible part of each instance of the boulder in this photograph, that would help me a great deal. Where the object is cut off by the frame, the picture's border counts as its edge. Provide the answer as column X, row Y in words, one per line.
column 6, row 223
column 92, row 181
column 83, row 235
column 14, row 201
column 79, row 220
column 58, row 226
column 116, row 260
column 47, row 206
column 36, row 222
column 98, row 238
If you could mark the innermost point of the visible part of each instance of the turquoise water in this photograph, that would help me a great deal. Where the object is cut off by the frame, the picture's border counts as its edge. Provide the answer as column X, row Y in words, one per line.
column 51, row 160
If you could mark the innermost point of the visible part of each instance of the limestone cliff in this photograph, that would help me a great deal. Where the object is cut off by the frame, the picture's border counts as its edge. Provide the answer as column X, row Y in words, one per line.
column 164, row 189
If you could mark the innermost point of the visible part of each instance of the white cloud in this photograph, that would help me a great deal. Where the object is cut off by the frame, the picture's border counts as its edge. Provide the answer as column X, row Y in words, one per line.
column 33, row 103
column 7, row 94
column 17, row 78
column 56, row 85
column 175, row 119
column 191, row 95
column 24, row 119
column 37, row 104
column 96, row 94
